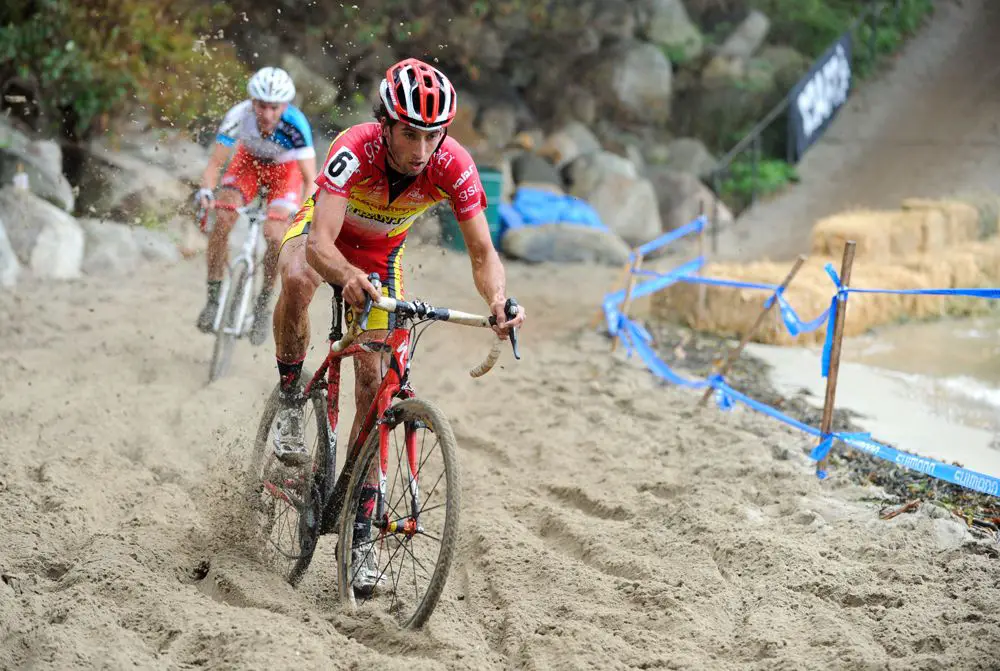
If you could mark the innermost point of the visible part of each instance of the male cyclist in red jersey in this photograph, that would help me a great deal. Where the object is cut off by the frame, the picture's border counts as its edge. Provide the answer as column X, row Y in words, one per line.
column 377, row 179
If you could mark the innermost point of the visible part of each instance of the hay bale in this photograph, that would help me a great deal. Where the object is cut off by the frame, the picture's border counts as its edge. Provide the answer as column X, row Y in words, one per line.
column 987, row 206
column 961, row 221
column 870, row 229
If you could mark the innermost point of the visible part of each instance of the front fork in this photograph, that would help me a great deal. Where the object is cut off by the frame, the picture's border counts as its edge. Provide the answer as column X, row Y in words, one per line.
column 406, row 524
column 248, row 258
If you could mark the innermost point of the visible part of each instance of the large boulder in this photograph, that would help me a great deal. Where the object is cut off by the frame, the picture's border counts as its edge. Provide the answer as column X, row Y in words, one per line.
column 569, row 143
column 126, row 187
column 681, row 197
column 666, row 23
column 41, row 160
column 564, row 243
column 748, row 37
column 529, row 168
column 628, row 206
column 156, row 246
column 110, row 248
column 585, row 174
column 169, row 149
column 314, row 93
column 10, row 267
column 46, row 240
column 688, row 154
column 631, row 82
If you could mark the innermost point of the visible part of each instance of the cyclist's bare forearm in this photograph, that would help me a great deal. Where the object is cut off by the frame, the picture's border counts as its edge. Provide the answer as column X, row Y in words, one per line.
column 487, row 270
column 218, row 157
column 321, row 249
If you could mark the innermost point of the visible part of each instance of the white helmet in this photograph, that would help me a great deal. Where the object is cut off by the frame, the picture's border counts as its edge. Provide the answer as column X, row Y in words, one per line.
column 271, row 85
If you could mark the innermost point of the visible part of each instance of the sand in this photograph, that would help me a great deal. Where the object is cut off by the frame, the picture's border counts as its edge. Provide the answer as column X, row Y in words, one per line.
column 608, row 523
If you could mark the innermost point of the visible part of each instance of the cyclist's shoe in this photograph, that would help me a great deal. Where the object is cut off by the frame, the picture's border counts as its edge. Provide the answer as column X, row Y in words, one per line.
column 261, row 319
column 365, row 576
column 289, row 444
column 206, row 320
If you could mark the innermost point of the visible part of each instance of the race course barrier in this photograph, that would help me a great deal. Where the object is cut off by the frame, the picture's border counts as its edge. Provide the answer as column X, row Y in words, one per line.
column 637, row 340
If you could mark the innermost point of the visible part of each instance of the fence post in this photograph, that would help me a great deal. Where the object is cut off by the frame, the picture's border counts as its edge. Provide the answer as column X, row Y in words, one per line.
column 622, row 279
column 700, row 311
column 826, row 426
column 736, row 351
column 636, row 265
column 717, row 188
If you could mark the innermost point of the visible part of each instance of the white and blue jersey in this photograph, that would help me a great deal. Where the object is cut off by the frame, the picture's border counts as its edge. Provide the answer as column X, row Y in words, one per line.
column 291, row 141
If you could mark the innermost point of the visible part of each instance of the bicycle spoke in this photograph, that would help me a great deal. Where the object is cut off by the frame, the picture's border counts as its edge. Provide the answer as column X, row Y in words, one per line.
column 426, row 509
column 431, row 536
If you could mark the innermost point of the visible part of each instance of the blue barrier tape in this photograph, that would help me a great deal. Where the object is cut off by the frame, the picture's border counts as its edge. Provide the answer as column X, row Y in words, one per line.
column 730, row 283
column 696, row 225
column 975, row 293
column 768, row 410
column 661, row 282
column 634, row 334
column 956, row 475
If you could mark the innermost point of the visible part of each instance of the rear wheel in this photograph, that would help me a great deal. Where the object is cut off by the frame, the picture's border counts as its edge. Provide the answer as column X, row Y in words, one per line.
column 406, row 539
column 225, row 342
column 286, row 501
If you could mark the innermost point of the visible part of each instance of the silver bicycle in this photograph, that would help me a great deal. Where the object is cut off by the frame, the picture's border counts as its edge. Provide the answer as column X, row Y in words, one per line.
column 234, row 317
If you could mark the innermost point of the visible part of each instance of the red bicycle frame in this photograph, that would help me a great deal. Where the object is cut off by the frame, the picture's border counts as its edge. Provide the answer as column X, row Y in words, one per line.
column 394, row 385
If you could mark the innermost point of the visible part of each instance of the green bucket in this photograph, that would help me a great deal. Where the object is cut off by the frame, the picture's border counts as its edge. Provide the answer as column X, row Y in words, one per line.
column 451, row 234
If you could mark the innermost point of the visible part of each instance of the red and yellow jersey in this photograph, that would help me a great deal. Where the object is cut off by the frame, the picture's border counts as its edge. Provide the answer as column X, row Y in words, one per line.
column 355, row 169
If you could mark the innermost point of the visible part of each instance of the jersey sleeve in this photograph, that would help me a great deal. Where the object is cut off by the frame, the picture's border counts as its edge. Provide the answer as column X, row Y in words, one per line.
column 342, row 168
column 299, row 132
column 459, row 179
column 229, row 129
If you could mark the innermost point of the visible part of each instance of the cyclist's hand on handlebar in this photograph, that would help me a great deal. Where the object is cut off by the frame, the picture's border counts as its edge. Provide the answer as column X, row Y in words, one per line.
column 358, row 288
column 204, row 199
column 504, row 323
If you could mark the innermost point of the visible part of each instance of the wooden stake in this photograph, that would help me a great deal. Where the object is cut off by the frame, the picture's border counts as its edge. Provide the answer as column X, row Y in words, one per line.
column 622, row 278
column 699, row 315
column 838, row 336
column 628, row 294
column 734, row 353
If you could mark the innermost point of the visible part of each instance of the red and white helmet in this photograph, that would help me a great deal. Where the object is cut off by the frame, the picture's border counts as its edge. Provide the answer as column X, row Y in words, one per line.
column 419, row 95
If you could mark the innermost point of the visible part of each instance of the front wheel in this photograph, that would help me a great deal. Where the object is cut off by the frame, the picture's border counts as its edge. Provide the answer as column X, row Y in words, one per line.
column 397, row 540
column 222, row 354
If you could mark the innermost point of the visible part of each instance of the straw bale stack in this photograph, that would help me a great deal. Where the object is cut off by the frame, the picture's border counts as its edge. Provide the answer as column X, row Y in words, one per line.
column 961, row 221
column 870, row 229
column 731, row 312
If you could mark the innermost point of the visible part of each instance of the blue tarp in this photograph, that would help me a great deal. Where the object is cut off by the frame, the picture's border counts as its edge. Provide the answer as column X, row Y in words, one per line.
column 537, row 207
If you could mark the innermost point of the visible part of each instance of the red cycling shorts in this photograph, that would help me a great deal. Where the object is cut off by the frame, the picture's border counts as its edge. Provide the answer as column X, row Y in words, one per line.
column 247, row 174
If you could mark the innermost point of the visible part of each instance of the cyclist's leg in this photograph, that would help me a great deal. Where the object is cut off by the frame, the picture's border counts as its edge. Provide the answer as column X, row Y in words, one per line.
column 238, row 185
column 291, row 334
column 284, row 184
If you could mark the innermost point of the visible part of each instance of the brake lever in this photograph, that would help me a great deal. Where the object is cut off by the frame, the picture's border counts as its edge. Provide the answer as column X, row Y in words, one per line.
column 510, row 310
column 377, row 283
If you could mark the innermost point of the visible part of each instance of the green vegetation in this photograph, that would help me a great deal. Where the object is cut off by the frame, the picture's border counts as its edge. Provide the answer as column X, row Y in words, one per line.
column 94, row 59
column 772, row 175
